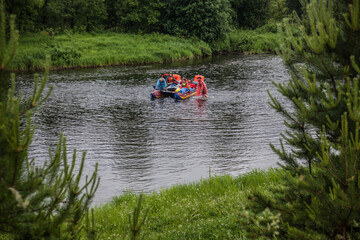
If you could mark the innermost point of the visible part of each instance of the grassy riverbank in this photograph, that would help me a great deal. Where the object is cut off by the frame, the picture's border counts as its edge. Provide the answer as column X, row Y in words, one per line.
column 261, row 40
column 220, row 207
column 88, row 50
column 215, row 208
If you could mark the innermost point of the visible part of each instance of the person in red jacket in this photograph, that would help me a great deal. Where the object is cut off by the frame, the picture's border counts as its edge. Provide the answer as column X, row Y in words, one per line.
column 201, row 88
column 183, row 80
column 184, row 86
column 191, row 85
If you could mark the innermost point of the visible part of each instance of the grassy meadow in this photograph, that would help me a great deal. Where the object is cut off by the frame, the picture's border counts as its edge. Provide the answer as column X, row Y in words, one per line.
column 216, row 208
column 87, row 50
column 78, row 50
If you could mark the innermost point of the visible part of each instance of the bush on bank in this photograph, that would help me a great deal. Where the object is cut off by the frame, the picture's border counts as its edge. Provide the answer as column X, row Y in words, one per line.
column 249, row 42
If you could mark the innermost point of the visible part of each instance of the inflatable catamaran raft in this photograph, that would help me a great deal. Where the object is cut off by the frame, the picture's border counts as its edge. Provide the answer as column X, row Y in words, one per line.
column 177, row 88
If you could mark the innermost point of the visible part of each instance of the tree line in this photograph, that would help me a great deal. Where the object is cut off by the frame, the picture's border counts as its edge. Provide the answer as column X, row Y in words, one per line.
column 208, row 20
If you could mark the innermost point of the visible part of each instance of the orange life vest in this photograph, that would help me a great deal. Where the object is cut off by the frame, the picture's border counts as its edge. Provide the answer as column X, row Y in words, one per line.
column 198, row 76
column 171, row 79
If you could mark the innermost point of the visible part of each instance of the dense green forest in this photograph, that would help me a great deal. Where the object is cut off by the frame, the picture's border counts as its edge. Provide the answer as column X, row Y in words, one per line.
column 208, row 20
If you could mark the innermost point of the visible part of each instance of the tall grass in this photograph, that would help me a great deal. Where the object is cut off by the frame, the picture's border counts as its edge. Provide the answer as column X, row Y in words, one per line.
column 103, row 49
column 261, row 40
column 252, row 42
column 215, row 208
column 85, row 50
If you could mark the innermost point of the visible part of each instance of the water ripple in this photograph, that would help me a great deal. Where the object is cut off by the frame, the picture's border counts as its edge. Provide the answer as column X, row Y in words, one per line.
column 144, row 145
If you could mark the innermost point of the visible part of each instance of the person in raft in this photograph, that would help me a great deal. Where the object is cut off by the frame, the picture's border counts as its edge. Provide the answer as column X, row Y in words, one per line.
column 183, row 80
column 191, row 85
column 161, row 84
column 201, row 88
column 173, row 80
column 184, row 86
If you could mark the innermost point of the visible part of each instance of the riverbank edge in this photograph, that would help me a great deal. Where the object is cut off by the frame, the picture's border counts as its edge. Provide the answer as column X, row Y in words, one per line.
column 219, row 207
column 76, row 51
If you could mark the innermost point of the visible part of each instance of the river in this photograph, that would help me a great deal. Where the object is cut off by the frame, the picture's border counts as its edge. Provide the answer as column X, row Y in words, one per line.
column 143, row 145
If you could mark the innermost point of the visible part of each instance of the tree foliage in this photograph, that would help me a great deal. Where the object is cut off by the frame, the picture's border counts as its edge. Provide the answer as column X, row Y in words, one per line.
column 134, row 16
column 209, row 20
column 57, row 14
column 89, row 15
column 250, row 14
column 61, row 15
column 320, row 149
column 36, row 201
column 29, row 10
column 296, row 5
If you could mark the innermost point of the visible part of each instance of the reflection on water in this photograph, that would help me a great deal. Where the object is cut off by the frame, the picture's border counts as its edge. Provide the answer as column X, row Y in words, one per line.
column 143, row 144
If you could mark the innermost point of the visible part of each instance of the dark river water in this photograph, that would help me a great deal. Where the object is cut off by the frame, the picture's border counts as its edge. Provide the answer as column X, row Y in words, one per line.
column 144, row 145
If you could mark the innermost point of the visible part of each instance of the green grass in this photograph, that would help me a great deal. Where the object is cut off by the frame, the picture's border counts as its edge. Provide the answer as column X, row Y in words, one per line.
column 105, row 49
column 215, row 208
column 248, row 41
column 86, row 50
column 221, row 207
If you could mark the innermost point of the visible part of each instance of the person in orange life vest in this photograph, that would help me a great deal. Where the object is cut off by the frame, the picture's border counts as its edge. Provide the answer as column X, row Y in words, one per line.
column 196, row 82
column 201, row 88
column 166, row 77
column 172, row 81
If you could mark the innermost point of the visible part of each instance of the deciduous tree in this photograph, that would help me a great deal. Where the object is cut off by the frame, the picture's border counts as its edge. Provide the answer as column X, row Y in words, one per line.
column 208, row 20
column 250, row 14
